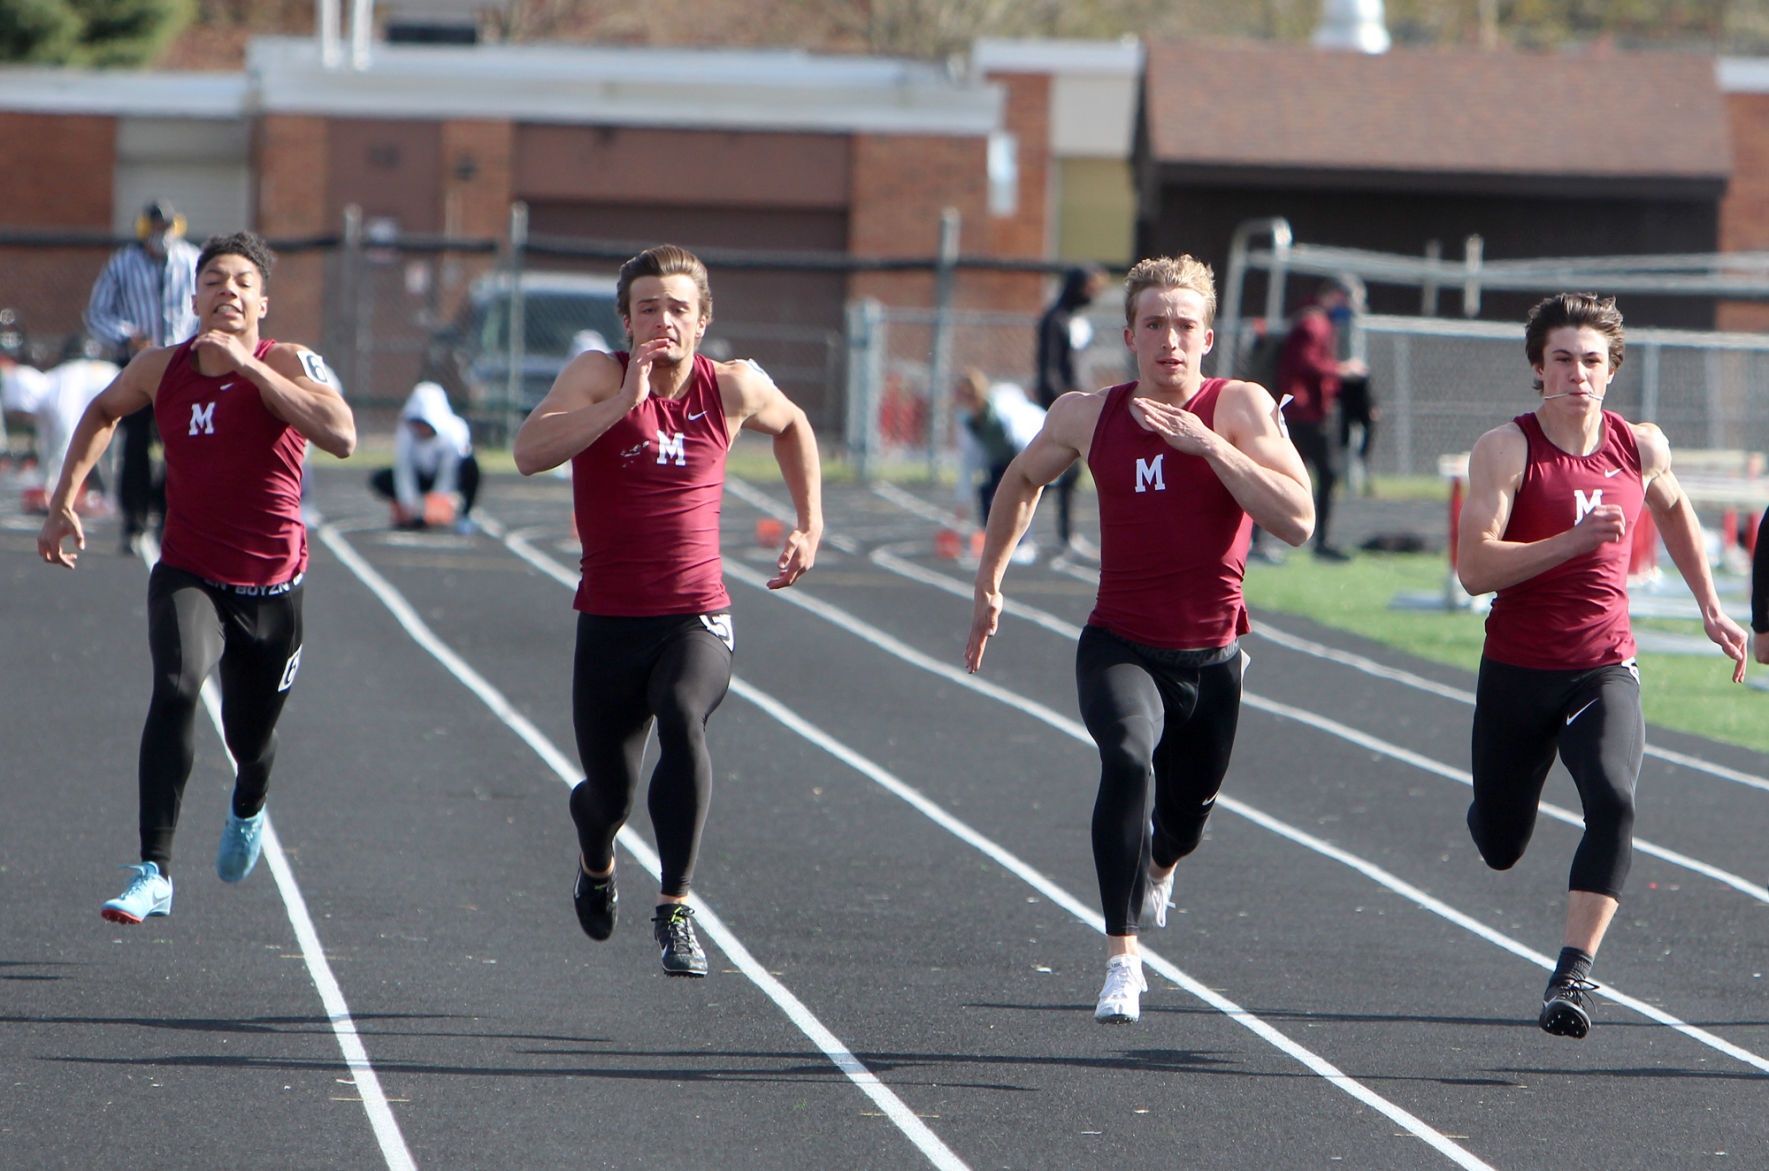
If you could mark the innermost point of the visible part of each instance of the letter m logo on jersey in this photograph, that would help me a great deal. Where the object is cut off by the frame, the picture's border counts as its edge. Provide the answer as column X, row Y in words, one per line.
column 1148, row 473
column 202, row 418
column 671, row 447
column 1586, row 503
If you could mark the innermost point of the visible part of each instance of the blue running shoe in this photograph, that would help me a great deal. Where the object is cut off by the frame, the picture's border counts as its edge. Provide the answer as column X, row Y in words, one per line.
column 241, row 839
column 148, row 893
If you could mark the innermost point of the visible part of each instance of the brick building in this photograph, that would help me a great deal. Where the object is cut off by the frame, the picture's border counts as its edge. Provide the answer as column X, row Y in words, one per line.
column 1540, row 154
column 778, row 150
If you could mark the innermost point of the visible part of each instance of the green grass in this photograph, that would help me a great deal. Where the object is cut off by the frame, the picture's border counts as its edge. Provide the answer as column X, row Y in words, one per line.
column 1691, row 693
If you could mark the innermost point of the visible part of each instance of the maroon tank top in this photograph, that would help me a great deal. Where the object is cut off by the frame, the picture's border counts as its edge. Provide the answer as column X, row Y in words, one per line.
column 1575, row 615
column 233, row 478
column 647, row 496
column 1173, row 540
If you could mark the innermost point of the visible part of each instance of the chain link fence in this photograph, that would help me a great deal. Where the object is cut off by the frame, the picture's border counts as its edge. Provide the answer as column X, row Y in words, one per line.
column 494, row 324
column 903, row 365
column 1438, row 383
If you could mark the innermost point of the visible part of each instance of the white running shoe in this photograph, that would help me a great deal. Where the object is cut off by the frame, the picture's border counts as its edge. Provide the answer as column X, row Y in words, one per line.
column 1119, row 999
column 1160, row 897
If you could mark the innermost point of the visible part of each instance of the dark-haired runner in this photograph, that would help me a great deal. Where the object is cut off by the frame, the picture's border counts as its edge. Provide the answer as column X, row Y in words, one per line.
column 646, row 432
column 1184, row 467
column 235, row 412
column 1553, row 499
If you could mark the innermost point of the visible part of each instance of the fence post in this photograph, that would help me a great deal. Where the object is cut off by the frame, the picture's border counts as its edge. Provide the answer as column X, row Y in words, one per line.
column 1403, row 402
column 939, row 363
column 518, row 324
column 352, row 331
column 1474, row 254
column 1428, row 286
column 1649, row 383
column 865, row 361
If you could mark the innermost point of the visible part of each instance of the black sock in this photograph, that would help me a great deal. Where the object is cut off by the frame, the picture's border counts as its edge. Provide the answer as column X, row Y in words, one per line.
column 1574, row 965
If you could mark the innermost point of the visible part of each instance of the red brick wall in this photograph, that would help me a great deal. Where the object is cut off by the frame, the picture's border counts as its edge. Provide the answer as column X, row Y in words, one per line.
column 58, row 172
column 476, row 185
column 695, row 168
column 58, row 175
column 291, row 164
column 901, row 184
column 1744, row 212
column 1028, row 232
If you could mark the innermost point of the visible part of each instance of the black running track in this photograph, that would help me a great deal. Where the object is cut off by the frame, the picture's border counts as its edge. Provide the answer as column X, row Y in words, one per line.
column 899, row 898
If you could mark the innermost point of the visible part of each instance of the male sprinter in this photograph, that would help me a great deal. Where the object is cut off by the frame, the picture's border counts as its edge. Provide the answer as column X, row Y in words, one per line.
column 235, row 412
column 1553, row 497
column 1184, row 468
column 646, row 432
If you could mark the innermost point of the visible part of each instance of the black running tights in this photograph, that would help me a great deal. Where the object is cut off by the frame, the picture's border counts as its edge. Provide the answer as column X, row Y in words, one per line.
column 629, row 672
column 1593, row 719
column 191, row 626
column 1159, row 724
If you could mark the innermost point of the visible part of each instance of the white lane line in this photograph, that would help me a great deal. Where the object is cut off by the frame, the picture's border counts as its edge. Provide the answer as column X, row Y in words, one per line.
column 761, row 501
column 1319, row 1065
column 893, row 1107
column 356, row 1058
column 1371, row 667
column 1074, row 906
column 1407, row 678
column 885, row 559
column 864, row 630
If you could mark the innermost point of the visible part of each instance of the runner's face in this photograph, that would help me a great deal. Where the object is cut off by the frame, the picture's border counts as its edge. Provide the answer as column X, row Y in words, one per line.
column 666, row 307
column 1575, row 366
column 230, row 295
column 1169, row 338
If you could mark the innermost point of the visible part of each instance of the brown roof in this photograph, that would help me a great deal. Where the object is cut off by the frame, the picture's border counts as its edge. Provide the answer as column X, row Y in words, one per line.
column 1602, row 113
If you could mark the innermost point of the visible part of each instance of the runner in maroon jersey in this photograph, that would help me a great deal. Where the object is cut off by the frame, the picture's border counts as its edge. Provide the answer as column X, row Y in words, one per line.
column 235, row 412
column 1184, row 468
column 1548, row 523
column 646, row 433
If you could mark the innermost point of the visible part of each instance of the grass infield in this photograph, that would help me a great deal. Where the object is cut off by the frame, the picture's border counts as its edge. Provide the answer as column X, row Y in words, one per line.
column 1691, row 693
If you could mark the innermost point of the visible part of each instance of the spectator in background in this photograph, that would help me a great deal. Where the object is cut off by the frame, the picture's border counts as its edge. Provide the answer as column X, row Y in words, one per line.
column 21, row 383
column 999, row 421
column 82, row 374
column 144, row 299
column 432, row 464
column 1309, row 371
column 1062, row 334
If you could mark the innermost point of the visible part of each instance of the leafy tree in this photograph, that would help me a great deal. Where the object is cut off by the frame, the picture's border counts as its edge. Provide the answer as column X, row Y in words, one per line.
column 37, row 32
column 128, row 32
column 89, row 32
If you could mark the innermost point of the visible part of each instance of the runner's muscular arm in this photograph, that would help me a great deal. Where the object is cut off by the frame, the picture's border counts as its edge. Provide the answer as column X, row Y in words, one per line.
column 1251, row 455
column 1066, row 434
column 1485, row 561
column 132, row 389
column 587, row 398
column 297, row 389
column 753, row 403
column 1681, row 533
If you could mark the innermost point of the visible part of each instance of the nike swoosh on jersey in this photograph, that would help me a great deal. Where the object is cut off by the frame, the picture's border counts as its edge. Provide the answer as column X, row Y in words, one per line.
column 1579, row 713
column 225, row 386
column 1610, row 472
column 701, row 415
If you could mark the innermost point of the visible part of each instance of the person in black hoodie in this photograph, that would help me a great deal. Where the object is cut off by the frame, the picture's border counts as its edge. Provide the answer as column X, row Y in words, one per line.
column 1062, row 333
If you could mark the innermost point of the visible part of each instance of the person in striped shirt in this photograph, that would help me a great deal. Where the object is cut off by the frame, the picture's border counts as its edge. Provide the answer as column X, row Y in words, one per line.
column 141, row 300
